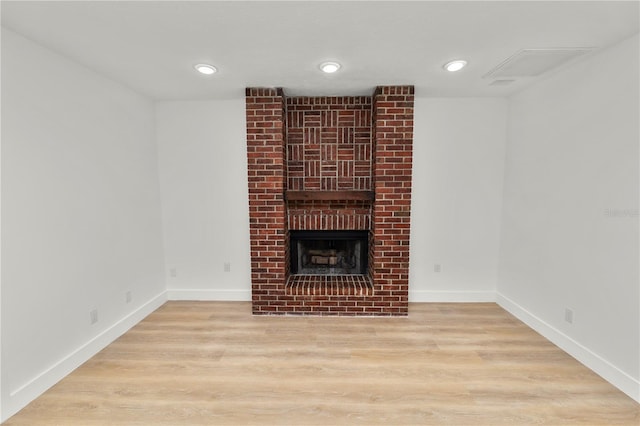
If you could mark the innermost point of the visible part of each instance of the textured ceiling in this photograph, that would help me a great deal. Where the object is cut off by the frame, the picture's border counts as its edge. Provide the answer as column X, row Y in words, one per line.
column 151, row 46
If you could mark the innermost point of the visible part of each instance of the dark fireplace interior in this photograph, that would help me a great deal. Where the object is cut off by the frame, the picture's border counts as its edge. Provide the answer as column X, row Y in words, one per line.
column 329, row 252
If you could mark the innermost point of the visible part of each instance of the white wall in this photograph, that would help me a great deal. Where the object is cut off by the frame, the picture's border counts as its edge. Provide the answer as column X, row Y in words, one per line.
column 1, row 347
column 570, row 218
column 458, row 158
column 203, row 177
column 80, row 216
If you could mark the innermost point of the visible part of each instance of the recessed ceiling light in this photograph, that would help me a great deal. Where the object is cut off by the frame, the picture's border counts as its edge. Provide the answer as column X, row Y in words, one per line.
column 206, row 69
column 330, row 67
column 456, row 65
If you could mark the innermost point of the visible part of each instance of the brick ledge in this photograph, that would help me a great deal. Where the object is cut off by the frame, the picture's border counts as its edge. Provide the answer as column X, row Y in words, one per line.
column 329, row 285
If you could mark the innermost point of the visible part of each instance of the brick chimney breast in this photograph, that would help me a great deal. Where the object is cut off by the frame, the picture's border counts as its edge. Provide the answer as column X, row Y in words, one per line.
column 330, row 164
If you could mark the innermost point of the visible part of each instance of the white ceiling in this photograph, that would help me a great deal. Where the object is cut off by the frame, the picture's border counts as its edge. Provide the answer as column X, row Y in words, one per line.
column 151, row 46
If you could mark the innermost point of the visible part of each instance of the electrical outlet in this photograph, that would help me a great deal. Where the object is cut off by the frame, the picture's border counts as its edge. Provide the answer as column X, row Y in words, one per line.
column 127, row 297
column 173, row 272
column 568, row 315
column 94, row 316
column 227, row 266
column 437, row 267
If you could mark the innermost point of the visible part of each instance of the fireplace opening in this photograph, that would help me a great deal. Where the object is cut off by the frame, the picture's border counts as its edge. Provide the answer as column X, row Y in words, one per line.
column 329, row 252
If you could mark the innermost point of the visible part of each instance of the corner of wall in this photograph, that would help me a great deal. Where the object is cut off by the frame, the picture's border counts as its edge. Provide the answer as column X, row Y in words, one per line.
column 14, row 400
column 591, row 360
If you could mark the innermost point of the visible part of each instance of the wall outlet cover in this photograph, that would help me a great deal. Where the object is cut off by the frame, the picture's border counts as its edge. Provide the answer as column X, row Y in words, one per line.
column 568, row 315
column 94, row 316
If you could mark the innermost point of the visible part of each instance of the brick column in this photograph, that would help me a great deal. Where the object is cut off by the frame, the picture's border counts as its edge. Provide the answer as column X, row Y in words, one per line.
column 267, row 213
column 393, row 139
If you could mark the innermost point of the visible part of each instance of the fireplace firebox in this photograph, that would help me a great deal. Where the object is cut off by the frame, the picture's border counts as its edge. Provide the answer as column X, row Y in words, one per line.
column 329, row 252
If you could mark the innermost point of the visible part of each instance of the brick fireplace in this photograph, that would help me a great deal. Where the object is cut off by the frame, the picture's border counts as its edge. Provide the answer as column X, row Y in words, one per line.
column 330, row 168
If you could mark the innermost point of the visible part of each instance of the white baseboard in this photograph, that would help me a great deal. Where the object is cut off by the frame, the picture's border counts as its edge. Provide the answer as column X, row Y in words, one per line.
column 591, row 360
column 26, row 393
column 210, row 295
column 452, row 296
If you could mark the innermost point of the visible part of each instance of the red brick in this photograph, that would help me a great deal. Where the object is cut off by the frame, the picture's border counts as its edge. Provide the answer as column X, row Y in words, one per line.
column 324, row 123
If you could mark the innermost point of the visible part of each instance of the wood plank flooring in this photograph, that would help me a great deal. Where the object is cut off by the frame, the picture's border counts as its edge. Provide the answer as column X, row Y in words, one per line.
column 213, row 363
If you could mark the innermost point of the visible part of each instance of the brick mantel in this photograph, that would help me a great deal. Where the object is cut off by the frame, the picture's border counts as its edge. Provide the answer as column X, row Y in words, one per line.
column 330, row 163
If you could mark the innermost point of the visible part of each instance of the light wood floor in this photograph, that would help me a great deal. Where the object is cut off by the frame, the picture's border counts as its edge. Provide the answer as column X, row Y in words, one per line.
column 212, row 363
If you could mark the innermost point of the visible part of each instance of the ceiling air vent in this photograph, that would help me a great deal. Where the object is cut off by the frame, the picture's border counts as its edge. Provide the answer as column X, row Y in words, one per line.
column 501, row 82
column 533, row 62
